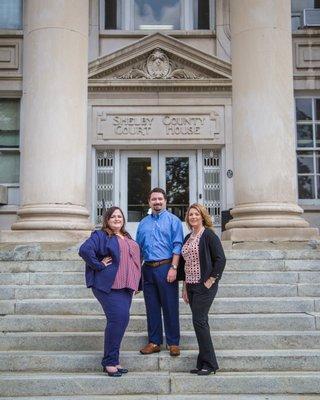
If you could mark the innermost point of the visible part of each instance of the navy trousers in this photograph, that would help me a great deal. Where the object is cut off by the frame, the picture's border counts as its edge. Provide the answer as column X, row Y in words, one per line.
column 116, row 306
column 160, row 294
column 200, row 300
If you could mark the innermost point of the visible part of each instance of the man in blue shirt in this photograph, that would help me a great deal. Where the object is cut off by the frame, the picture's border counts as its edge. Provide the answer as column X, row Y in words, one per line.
column 160, row 238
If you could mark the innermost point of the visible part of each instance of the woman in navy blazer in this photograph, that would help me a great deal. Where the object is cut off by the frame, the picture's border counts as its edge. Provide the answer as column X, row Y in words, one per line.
column 113, row 272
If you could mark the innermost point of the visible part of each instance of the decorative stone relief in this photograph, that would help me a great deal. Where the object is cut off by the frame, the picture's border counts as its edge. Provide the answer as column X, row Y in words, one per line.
column 9, row 54
column 307, row 55
column 159, row 66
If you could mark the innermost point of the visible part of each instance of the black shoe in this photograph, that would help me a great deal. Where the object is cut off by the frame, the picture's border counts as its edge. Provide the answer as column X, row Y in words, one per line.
column 112, row 374
column 194, row 371
column 123, row 370
column 203, row 372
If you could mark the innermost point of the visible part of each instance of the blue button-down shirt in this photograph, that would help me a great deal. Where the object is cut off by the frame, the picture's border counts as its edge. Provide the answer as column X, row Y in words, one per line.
column 160, row 236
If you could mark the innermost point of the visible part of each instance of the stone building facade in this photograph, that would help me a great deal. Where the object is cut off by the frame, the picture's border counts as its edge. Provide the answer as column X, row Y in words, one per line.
column 102, row 100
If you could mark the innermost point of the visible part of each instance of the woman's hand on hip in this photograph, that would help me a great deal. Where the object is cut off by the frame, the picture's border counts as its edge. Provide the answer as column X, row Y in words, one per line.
column 106, row 261
column 208, row 283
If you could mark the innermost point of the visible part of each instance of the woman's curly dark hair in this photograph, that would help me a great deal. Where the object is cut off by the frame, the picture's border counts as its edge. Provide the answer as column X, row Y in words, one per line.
column 105, row 222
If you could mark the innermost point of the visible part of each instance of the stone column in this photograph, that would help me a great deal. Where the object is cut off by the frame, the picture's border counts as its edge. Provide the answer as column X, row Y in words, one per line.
column 263, row 125
column 54, row 116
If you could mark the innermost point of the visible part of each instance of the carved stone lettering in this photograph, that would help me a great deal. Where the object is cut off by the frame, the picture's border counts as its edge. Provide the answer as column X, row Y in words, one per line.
column 126, row 125
column 182, row 125
column 157, row 126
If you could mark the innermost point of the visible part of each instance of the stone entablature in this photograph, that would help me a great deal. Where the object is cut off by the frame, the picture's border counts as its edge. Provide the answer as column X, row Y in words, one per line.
column 158, row 125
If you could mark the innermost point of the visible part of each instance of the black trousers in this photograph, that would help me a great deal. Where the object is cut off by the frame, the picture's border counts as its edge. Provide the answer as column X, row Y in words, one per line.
column 200, row 300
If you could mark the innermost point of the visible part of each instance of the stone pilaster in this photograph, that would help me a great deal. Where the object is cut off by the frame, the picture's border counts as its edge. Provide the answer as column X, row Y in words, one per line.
column 54, row 116
column 263, row 125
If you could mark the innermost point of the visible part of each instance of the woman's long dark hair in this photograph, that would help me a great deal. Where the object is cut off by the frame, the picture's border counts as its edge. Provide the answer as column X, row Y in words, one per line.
column 105, row 222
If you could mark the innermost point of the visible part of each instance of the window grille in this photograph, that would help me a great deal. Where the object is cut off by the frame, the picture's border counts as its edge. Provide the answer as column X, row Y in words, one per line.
column 9, row 141
column 212, row 185
column 104, row 182
column 308, row 149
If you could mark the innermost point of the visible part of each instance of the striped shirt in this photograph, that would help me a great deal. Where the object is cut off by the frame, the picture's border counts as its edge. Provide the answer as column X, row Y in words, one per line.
column 129, row 271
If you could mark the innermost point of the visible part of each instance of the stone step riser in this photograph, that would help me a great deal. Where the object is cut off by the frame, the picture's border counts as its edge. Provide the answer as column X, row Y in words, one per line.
column 34, row 323
column 135, row 362
column 77, row 278
column 134, row 341
column 8, row 292
column 247, row 384
column 158, row 383
column 219, row 306
column 174, row 397
column 77, row 265
column 61, row 252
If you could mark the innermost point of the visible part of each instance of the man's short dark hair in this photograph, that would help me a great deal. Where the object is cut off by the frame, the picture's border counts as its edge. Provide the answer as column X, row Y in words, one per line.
column 157, row 190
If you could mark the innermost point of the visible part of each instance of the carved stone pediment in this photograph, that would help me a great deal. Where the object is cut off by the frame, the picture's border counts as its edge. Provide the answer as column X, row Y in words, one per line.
column 159, row 65
column 163, row 61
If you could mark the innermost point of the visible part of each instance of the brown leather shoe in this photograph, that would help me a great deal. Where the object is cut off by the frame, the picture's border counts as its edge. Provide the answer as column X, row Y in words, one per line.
column 150, row 348
column 174, row 350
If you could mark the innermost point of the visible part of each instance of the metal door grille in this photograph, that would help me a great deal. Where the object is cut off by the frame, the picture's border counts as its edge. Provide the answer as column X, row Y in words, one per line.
column 212, row 185
column 104, row 182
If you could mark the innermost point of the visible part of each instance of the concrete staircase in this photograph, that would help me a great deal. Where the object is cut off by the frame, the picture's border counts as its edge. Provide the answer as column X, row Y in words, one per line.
column 265, row 326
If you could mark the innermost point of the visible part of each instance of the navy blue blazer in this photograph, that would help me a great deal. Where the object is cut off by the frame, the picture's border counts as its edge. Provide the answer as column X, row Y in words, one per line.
column 93, row 250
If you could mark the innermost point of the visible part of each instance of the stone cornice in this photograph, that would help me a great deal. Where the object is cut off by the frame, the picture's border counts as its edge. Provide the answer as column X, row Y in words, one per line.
column 161, row 85
column 203, row 33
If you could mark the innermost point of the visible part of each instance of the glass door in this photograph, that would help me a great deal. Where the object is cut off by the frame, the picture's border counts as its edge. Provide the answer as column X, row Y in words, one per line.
column 125, row 178
column 140, row 171
column 177, row 176
column 138, row 174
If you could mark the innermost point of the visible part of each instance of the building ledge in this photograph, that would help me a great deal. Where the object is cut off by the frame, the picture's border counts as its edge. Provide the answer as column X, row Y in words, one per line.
column 207, row 33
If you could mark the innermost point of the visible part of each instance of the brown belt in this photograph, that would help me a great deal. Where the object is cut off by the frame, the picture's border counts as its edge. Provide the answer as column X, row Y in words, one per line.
column 158, row 263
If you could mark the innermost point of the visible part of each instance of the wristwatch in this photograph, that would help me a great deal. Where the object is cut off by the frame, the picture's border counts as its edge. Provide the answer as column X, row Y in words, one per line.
column 174, row 266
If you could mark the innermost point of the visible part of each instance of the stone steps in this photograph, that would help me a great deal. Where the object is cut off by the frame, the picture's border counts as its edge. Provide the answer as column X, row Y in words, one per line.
column 174, row 397
column 285, row 251
column 51, row 384
column 77, row 265
column 264, row 323
column 234, row 305
column 138, row 323
column 229, row 277
column 229, row 360
column 21, row 292
column 223, row 340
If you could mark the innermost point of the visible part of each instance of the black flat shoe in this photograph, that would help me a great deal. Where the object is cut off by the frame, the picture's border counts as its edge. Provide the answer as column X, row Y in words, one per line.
column 194, row 371
column 115, row 374
column 123, row 370
column 204, row 372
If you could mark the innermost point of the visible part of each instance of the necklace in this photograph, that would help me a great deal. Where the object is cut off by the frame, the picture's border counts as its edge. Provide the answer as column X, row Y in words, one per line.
column 196, row 234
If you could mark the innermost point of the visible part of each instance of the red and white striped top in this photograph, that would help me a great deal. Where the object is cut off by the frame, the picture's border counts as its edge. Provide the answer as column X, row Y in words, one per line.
column 129, row 271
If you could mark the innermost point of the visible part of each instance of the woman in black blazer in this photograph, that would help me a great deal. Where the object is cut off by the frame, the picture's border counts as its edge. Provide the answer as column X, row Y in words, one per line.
column 201, row 265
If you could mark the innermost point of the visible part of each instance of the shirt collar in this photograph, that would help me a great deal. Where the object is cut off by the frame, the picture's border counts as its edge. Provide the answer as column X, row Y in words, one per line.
column 158, row 215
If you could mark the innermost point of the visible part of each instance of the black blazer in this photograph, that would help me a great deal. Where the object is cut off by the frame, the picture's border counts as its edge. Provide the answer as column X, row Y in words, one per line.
column 211, row 254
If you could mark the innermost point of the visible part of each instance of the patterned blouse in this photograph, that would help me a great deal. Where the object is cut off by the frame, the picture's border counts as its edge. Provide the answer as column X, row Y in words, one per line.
column 190, row 252
column 129, row 271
